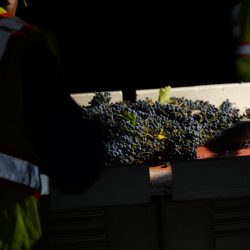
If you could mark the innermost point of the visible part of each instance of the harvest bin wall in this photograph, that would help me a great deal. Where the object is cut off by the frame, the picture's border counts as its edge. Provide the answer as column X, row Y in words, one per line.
column 119, row 211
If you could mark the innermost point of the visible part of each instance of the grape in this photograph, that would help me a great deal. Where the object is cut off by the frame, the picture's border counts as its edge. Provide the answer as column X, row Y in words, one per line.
column 100, row 98
column 146, row 132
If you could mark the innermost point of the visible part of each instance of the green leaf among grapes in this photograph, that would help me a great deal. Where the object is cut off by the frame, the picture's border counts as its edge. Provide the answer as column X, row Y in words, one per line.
column 161, row 135
column 164, row 95
column 129, row 116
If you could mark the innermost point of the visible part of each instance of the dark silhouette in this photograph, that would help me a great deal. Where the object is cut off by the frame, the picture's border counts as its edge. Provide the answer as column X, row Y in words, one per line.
column 128, row 47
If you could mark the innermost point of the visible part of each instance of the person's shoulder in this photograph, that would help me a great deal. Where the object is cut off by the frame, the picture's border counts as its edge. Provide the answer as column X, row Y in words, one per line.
column 31, row 36
column 34, row 33
column 16, row 29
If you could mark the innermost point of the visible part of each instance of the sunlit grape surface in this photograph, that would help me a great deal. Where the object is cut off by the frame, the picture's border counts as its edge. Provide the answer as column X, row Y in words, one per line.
column 146, row 132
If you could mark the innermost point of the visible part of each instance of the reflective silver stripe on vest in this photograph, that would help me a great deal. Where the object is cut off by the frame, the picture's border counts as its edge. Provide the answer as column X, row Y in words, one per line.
column 8, row 25
column 23, row 172
column 45, row 184
column 243, row 50
column 11, row 23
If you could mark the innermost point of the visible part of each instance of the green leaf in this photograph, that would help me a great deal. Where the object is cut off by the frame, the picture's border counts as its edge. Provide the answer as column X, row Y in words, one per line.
column 164, row 95
column 129, row 116
column 161, row 135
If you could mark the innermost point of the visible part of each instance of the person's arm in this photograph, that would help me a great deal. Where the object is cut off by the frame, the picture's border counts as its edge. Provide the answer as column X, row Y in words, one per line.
column 70, row 147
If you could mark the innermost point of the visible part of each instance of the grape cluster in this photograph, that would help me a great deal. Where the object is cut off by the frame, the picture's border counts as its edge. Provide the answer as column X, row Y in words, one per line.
column 100, row 97
column 147, row 132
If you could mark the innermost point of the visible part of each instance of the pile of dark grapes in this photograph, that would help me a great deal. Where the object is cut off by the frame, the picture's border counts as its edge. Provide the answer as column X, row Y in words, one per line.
column 145, row 132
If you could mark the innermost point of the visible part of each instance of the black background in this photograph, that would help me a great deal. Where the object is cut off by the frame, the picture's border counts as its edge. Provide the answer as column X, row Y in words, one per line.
column 128, row 46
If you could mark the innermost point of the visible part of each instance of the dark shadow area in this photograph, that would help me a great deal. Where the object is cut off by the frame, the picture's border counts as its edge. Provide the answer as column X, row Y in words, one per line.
column 123, row 46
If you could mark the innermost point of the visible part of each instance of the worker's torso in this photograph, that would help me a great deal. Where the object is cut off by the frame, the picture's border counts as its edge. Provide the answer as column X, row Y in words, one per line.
column 18, row 159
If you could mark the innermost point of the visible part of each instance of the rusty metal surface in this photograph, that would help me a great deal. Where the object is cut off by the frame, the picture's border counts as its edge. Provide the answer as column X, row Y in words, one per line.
column 204, row 152
column 161, row 176
column 161, row 179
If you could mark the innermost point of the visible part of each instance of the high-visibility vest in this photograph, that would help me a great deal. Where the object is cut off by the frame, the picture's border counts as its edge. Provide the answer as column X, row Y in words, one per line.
column 243, row 48
column 21, row 183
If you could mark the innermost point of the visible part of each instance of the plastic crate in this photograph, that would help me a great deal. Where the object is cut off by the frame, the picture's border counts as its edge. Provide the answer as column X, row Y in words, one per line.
column 209, row 208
